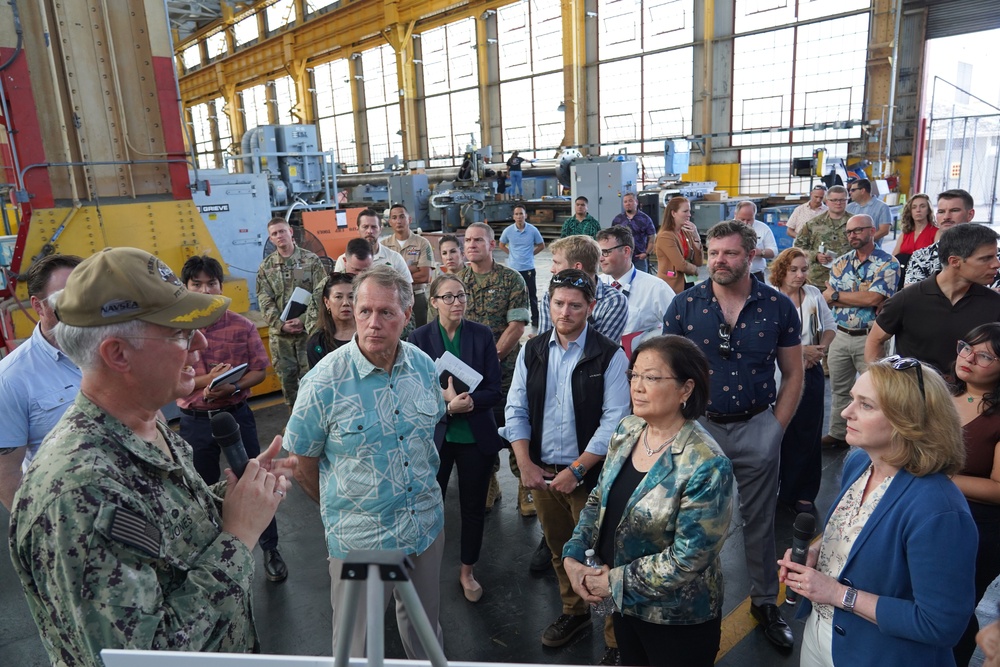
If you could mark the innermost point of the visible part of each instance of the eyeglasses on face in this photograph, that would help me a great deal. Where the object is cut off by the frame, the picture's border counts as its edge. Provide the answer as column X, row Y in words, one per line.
column 852, row 190
column 182, row 338
column 647, row 379
column 836, row 200
column 725, row 348
column 978, row 358
column 606, row 252
column 450, row 298
column 857, row 230
column 898, row 363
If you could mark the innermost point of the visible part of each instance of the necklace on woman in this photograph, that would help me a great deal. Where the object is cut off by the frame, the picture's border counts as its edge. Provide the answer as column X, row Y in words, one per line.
column 653, row 452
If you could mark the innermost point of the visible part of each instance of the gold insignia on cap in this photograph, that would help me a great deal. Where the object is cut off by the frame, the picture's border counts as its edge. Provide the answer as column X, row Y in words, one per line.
column 217, row 302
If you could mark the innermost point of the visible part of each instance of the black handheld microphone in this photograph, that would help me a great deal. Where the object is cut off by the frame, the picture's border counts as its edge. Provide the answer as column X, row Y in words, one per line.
column 226, row 432
column 802, row 534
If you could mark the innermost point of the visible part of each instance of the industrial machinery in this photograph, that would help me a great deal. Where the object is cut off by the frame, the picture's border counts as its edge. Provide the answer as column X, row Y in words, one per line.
column 296, row 170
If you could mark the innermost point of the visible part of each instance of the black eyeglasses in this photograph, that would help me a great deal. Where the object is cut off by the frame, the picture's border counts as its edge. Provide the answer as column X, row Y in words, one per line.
column 725, row 348
column 857, row 230
column 606, row 252
column 450, row 298
column 854, row 190
column 899, row 363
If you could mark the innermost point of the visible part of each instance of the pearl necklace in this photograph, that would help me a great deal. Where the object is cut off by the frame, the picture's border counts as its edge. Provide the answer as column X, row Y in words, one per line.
column 653, row 452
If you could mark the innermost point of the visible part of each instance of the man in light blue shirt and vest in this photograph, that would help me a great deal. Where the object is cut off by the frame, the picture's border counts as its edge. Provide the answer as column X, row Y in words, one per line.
column 363, row 428
column 37, row 381
column 560, row 421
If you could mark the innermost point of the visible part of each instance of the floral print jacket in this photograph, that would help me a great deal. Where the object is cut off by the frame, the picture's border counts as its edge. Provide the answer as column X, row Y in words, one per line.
column 667, row 545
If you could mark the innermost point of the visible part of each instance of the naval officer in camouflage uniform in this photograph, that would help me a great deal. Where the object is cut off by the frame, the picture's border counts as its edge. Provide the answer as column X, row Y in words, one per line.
column 117, row 541
column 829, row 230
column 279, row 274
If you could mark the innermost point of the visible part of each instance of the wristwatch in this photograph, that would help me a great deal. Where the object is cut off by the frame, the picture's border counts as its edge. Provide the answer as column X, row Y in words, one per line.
column 578, row 470
column 850, row 597
column 835, row 296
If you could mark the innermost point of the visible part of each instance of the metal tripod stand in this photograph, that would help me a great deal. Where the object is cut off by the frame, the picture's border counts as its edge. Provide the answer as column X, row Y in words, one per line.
column 379, row 568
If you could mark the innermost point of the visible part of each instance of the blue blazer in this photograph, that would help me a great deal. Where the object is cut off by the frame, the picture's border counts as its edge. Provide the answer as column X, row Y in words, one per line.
column 480, row 352
column 917, row 552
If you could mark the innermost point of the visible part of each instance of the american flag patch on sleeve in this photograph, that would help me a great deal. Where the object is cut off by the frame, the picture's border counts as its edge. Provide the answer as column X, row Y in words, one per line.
column 132, row 529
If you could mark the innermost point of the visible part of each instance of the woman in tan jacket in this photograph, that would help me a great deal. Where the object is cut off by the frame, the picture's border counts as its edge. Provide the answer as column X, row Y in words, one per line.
column 678, row 246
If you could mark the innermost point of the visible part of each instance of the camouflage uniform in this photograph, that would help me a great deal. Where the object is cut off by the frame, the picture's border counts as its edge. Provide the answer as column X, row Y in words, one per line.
column 832, row 234
column 277, row 278
column 117, row 546
column 416, row 251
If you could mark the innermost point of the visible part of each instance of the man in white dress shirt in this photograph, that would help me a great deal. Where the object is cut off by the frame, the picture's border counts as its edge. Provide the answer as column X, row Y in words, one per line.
column 648, row 296
column 767, row 247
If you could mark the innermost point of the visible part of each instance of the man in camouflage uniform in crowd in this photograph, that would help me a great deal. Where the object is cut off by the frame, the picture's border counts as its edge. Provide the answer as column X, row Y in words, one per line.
column 116, row 540
column 279, row 274
column 498, row 298
column 828, row 229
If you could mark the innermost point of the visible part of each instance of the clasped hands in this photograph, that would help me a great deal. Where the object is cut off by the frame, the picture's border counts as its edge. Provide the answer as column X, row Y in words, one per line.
column 589, row 583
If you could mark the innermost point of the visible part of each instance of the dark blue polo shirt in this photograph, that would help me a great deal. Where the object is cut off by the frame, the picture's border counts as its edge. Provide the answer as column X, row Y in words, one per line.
column 768, row 321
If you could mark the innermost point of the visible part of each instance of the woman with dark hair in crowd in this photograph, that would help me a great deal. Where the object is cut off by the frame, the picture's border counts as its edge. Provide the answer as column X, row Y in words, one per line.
column 678, row 246
column 467, row 436
column 659, row 515
column 801, row 446
column 916, row 223
column 891, row 583
column 336, row 318
column 977, row 398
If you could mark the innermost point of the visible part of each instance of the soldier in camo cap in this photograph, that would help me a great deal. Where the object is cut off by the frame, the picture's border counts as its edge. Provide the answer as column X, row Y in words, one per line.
column 117, row 541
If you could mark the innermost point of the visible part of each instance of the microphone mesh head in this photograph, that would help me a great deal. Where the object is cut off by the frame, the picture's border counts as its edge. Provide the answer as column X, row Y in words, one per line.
column 224, row 425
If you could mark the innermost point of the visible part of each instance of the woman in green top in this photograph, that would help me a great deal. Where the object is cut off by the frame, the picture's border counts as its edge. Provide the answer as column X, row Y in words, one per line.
column 467, row 435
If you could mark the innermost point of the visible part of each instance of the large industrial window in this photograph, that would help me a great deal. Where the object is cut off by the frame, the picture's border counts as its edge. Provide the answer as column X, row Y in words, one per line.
column 246, row 30
column 335, row 112
column 191, row 56
column 316, row 5
column 280, row 14
column 284, row 98
column 451, row 81
column 645, row 77
column 255, row 107
column 795, row 76
column 216, row 45
column 381, row 85
column 225, row 131
column 204, row 146
column 531, row 89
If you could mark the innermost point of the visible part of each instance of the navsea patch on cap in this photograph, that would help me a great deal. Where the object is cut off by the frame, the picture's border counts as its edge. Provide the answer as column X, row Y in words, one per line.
column 124, row 284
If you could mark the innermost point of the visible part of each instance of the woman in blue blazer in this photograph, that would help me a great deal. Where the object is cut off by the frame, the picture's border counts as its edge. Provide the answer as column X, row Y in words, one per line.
column 467, row 435
column 892, row 581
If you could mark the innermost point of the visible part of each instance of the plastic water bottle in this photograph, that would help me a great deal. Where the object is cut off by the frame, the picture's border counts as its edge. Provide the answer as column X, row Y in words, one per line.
column 822, row 251
column 607, row 606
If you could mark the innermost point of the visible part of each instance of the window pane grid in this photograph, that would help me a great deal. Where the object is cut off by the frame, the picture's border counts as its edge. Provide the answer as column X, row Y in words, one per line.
column 280, row 14
column 246, row 30
column 255, row 107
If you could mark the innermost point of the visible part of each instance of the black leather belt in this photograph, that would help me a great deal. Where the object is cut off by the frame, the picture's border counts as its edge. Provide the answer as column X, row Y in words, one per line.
column 735, row 417
column 853, row 332
column 208, row 414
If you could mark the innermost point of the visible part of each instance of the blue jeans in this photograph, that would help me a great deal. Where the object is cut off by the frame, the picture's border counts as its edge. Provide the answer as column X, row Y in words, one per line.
column 516, row 183
column 641, row 264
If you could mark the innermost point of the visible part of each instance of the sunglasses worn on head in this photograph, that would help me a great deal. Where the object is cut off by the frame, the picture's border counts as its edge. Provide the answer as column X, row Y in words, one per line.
column 899, row 363
column 581, row 283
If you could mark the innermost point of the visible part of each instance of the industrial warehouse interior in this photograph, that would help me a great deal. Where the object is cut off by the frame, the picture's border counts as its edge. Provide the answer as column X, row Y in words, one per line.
column 192, row 129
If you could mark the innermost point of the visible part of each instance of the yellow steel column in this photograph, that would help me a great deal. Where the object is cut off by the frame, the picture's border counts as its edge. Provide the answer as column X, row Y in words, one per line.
column 574, row 75
column 483, row 65
column 881, row 37
column 707, row 94
column 399, row 37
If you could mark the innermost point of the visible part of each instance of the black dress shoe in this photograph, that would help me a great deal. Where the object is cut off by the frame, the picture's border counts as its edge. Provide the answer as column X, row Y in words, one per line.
column 774, row 626
column 274, row 566
column 541, row 560
column 564, row 628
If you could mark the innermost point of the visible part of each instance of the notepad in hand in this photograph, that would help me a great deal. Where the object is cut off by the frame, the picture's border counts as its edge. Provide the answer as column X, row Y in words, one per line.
column 232, row 376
